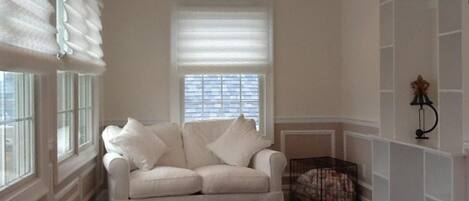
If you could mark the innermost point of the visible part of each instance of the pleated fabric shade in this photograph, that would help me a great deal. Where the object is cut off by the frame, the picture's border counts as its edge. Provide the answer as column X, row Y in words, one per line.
column 27, row 38
column 80, row 40
column 219, row 38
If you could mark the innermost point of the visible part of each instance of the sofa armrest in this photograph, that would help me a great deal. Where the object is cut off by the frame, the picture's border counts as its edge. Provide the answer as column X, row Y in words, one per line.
column 118, row 171
column 273, row 164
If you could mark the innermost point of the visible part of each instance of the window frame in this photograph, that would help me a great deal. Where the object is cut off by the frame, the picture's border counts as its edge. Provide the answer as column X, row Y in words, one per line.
column 34, row 135
column 34, row 186
column 72, row 152
column 82, row 155
column 91, row 108
column 177, row 73
column 78, row 149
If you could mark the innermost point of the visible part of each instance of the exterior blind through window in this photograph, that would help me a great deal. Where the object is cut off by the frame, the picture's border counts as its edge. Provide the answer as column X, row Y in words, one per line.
column 222, row 96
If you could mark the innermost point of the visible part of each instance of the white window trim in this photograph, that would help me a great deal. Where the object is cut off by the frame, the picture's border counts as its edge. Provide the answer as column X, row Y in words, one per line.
column 86, row 153
column 177, row 79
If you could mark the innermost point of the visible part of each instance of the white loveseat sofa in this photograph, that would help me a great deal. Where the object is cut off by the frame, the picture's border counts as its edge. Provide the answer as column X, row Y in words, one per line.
column 189, row 171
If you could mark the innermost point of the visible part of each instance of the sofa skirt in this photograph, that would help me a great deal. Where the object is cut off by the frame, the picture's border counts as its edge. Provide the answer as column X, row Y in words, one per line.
column 270, row 196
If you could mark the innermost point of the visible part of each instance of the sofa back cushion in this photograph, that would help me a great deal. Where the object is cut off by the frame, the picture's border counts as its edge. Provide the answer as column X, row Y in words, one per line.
column 169, row 133
column 197, row 135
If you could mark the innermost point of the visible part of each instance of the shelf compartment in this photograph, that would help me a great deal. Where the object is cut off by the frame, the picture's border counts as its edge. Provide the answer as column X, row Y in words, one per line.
column 381, row 158
column 438, row 176
column 387, row 115
column 387, row 24
column 431, row 198
column 380, row 189
column 406, row 172
column 387, row 68
column 450, row 15
column 450, row 61
column 383, row 2
column 451, row 126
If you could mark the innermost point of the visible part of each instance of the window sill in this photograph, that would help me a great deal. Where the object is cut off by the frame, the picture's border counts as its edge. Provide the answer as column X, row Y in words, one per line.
column 74, row 163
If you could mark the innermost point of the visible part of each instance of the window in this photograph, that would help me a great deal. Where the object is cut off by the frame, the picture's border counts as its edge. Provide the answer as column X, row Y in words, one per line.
column 17, row 147
column 223, row 96
column 74, row 118
column 65, row 114
column 222, row 53
column 85, row 109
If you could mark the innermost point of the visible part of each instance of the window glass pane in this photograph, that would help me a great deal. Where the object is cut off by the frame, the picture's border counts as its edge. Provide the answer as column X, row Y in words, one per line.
column 16, row 127
column 85, row 121
column 222, row 96
column 65, row 115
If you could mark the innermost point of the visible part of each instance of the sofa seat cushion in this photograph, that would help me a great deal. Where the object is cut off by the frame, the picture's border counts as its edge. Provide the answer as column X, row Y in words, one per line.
column 225, row 179
column 164, row 181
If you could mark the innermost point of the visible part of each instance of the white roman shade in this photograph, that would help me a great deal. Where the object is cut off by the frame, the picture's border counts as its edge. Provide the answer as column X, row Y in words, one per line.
column 223, row 37
column 79, row 25
column 27, row 38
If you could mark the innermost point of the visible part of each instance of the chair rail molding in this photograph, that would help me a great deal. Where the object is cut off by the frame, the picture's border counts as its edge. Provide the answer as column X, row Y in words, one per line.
column 326, row 119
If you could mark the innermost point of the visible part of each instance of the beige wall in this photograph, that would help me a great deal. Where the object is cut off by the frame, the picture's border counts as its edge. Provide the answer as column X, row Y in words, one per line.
column 360, row 60
column 137, row 47
column 307, row 57
column 360, row 81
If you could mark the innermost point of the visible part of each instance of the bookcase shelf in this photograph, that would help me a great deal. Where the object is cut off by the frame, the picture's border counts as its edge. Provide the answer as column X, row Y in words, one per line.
column 450, row 61
column 381, row 158
column 380, row 189
column 387, row 115
column 387, row 23
column 387, row 68
column 449, row 15
column 438, row 176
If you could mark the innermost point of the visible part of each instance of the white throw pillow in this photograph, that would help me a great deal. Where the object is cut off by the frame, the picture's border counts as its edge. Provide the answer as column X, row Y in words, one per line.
column 139, row 144
column 239, row 143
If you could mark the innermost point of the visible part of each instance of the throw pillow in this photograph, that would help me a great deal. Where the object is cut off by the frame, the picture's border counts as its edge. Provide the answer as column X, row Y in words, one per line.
column 239, row 143
column 138, row 144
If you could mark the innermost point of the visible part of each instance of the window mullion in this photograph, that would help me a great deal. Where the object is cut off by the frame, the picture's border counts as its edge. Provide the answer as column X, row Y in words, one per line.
column 240, row 94
column 221, row 98
column 203, row 95
column 4, row 164
column 75, row 135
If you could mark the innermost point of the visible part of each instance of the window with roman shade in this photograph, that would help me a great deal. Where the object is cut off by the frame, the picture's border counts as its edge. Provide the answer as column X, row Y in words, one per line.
column 27, row 48
column 81, row 61
column 222, row 55
column 79, row 35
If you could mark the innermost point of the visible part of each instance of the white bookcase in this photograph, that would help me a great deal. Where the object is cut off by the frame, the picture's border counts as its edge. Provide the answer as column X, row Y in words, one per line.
column 420, row 37
column 404, row 171
column 387, row 70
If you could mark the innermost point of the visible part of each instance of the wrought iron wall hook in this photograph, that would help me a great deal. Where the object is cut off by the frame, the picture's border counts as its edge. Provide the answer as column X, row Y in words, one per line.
column 420, row 87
